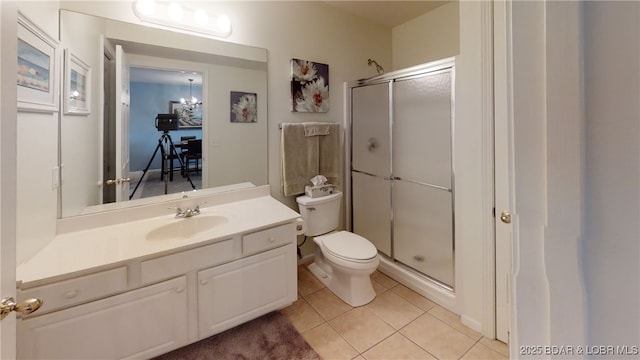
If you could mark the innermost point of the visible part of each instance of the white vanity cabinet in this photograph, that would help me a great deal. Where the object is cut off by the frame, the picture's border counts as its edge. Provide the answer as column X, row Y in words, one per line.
column 137, row 324
column 148, row 306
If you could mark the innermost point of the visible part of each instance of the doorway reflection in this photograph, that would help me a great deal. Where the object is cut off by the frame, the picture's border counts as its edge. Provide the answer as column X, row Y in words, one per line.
column 159, row 154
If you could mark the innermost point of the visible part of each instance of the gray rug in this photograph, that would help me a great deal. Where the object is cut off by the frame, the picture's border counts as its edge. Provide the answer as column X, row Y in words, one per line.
column 271, row 336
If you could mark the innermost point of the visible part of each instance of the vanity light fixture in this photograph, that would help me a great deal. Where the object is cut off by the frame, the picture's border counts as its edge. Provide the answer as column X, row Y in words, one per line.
column 179, row 16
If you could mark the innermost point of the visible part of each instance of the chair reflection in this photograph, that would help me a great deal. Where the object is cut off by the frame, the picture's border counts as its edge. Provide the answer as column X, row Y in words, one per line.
column 194, row 154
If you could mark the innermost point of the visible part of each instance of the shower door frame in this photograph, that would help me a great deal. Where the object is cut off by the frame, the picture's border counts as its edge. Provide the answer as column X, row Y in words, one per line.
column 437, row 289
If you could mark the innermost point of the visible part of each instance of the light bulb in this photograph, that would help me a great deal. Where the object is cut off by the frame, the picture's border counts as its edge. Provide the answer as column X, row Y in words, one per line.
column 175, row 11
column 146, row 7
column 201, row 17
column 224, row 23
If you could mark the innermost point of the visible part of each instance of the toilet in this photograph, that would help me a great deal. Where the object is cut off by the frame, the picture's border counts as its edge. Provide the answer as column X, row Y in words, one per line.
column 343, row 260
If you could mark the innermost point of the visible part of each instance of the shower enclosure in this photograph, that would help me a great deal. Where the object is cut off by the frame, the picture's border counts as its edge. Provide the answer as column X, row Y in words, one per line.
column 401, row 167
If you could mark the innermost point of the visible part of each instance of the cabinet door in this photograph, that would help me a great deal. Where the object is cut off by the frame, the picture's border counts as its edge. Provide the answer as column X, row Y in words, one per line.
column 231, row 294
column 123, row 326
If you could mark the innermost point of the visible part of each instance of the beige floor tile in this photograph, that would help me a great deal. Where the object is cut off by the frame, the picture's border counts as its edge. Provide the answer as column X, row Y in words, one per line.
column 379, row 289
column 413, row 297
column 438, row 338
column 454, row 320
column 397, row 347
column 496, row 345
column 327, row 304
column 393, row 309
column 328, row 343
column 361, row 328
column 383, row 279
column 481, row 352
column 307, row 282
column 302, row 315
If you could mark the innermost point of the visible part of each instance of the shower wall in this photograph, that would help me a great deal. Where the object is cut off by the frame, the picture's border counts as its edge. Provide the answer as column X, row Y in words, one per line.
column 401, row 167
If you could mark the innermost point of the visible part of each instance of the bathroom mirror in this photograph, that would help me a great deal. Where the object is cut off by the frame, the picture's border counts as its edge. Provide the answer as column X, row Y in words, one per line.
column 97, row 147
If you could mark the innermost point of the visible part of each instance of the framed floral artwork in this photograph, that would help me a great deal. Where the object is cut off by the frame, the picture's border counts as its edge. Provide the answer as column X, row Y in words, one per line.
column 309, row 86
column 244, row 107
column 37, row 68
column 77, row 88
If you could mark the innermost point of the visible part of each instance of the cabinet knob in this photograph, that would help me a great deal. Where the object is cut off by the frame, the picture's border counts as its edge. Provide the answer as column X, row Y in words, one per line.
column 71, row 294
column 203, row 282
column 271, row 239
column 179, row 289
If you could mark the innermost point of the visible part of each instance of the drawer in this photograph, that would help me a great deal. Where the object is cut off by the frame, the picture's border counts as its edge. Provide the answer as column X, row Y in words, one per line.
column 78, row 290
column 178, row 264
column 268, row 239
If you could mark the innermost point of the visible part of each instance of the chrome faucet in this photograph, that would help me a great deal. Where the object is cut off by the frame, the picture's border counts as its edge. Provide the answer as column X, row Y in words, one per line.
column 189, row 212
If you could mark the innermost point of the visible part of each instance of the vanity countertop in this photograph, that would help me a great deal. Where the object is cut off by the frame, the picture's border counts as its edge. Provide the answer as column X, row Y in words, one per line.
column 78, row 251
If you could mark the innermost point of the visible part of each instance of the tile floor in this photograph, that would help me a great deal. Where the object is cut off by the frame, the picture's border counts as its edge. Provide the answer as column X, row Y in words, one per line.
column 397, row 324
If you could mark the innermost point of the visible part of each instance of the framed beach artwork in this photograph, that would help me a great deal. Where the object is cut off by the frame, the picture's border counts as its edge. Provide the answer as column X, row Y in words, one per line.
column 309, row 86
column 244, row 107
column 77, row 85
column 189, row 117
column 37, row 68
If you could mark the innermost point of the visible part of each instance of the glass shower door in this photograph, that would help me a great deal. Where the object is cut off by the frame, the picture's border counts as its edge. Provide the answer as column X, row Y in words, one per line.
column 371, row 165
column 422, row 175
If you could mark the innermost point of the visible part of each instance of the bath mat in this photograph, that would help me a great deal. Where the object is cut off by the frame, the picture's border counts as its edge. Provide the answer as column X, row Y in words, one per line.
column 271, row 336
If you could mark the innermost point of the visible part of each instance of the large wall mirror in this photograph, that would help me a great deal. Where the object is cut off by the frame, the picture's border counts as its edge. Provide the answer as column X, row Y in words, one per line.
column 131, row 80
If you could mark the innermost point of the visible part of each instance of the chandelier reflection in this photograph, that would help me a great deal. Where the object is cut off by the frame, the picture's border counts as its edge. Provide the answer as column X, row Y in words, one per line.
column 192, row 102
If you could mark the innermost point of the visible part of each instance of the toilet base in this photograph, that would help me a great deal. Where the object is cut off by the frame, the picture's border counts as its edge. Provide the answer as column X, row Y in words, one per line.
column 355, row 290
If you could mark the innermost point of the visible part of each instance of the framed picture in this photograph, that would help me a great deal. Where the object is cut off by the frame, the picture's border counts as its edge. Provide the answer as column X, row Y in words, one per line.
column 244, row 107
column 37, row 68
column 309, row 86
column 77, row 85
column 188, row 117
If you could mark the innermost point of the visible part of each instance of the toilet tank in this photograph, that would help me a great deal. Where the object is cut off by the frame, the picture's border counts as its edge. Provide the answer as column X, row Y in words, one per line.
column 320, row 214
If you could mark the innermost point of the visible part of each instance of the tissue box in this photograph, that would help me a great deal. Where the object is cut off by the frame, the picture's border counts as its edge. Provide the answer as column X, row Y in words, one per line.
column 318, row 191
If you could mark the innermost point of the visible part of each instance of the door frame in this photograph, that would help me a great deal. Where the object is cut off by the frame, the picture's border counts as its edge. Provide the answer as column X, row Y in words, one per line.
column 8, row 162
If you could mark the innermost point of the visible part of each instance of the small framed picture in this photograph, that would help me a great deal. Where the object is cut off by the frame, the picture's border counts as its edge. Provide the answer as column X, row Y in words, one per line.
column 244, row 107
column 77, row 81
column 37, row 68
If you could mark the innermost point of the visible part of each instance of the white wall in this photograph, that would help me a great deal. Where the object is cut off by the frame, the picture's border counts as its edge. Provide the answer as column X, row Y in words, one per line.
column 37, row 155
column 431, row 36
column 81, row 171
column 469, row 168
column 612, row 247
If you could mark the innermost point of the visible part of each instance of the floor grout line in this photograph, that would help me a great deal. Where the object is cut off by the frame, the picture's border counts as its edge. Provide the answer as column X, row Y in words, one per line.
column 422, row 312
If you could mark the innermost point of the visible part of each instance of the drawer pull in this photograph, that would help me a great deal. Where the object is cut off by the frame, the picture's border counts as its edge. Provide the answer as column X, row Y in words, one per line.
column 272, row 239
column 179, row 289
column 203, row 282
column 71, row 294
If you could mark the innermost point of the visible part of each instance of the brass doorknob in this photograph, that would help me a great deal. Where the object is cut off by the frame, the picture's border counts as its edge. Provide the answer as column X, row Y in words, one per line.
column 111, row 182
column 8, row 305
column 125, row 180
column 505, row 217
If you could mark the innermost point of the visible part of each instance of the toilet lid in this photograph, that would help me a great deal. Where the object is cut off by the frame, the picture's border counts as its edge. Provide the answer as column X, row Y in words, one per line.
column 348, row 245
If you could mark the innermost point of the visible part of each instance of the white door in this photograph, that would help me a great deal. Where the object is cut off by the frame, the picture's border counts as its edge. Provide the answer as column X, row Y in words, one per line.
column 8, row 103
column 503, row 176
column 122, row 125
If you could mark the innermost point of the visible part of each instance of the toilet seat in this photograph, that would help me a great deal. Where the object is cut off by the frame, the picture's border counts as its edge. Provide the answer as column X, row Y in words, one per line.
column 349, row 246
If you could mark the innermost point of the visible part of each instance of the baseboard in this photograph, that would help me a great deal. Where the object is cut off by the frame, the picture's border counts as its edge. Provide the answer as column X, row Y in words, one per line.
column 472, row 323
column 306, row 259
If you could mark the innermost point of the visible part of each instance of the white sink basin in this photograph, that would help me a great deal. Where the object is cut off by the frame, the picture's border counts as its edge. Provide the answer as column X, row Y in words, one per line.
column 187, row 227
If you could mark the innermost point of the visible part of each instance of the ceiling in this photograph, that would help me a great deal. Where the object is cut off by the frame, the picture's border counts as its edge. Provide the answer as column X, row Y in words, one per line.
column 387, row 13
